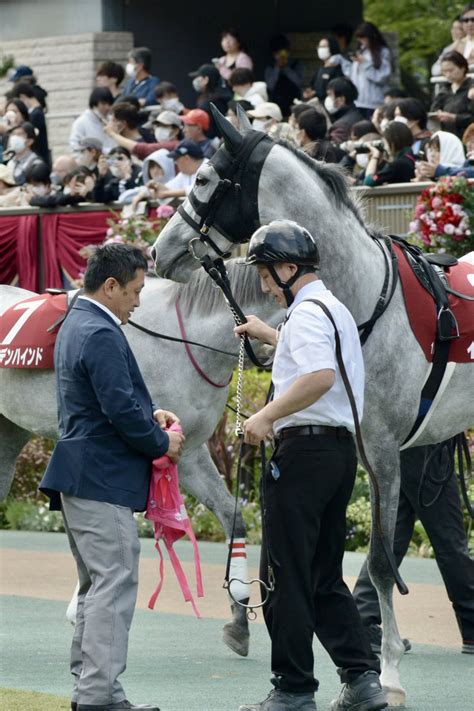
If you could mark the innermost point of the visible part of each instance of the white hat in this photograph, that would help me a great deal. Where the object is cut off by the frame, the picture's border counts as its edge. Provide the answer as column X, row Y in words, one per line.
column 266, row 110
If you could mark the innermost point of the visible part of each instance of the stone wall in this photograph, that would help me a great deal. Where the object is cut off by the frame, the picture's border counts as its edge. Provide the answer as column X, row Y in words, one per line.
column 65, row 66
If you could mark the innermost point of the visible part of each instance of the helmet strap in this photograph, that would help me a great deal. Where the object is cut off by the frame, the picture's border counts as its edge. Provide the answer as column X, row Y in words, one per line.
column 285, row 285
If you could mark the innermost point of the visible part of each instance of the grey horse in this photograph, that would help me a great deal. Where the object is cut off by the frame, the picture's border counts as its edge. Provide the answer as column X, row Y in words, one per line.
column 293, row 186
column 28, row 397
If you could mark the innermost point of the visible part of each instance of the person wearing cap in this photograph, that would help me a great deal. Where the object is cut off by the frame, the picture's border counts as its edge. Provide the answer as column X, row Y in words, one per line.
column 188, row 157
column 90, row 152
column 265, row 116
column 308, row 481
column 23, row 74
column 208, row 84
column 196, row 123
column 141, row 83
column 167, row 129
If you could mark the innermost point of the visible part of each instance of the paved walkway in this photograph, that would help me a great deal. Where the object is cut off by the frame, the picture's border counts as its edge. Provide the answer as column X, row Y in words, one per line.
column 179, row 661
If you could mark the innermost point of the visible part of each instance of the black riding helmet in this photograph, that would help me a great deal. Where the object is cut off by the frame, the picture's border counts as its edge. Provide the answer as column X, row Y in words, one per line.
column 283, row 241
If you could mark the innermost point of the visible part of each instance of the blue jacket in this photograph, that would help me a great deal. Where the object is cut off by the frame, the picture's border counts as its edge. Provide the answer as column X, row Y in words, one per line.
column 144, row 89
column 108, row 437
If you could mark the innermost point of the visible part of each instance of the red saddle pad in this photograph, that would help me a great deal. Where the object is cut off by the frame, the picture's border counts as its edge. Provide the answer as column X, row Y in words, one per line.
column 421, row 309
column 24, row 338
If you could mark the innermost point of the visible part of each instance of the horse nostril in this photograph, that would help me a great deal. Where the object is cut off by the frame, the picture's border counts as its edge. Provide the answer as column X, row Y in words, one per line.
column 153, row 254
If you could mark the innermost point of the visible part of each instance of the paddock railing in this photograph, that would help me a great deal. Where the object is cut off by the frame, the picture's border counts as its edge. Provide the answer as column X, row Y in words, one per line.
column 40, row 248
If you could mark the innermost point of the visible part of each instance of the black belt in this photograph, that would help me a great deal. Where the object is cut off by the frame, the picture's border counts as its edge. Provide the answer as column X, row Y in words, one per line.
column 308, row 430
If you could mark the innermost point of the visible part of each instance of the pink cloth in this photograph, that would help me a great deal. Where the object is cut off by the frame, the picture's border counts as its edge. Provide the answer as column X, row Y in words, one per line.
column 165, row 507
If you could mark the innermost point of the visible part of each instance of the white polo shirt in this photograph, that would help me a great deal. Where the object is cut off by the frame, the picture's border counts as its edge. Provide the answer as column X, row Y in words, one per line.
column 306, row 344
column 183, row 181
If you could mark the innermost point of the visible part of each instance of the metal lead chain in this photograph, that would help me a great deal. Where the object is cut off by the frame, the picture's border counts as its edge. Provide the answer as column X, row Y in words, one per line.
column 239, row 430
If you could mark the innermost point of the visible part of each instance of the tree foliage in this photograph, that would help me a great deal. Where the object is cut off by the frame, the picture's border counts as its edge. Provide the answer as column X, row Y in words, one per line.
column 423, row 29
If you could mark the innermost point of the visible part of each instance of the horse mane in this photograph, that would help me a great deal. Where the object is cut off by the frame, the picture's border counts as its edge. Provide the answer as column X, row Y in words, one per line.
column 200, row 292
column 332, row 175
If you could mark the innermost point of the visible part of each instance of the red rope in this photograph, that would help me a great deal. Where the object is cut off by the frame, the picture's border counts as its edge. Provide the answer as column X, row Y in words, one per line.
column 190, row 355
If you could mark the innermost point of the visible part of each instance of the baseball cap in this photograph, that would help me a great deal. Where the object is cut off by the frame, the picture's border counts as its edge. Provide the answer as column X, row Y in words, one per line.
column 90, row 143
column 197, row 117
column 266, row 110
column 186, row 148
column 6, row 175
column 168, row 118
column 22, row 70
column 205, row 70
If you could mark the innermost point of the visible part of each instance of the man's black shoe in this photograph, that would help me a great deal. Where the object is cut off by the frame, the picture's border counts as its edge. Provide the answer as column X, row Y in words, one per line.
column 374, row 633
column 119, row 706
column 363, row 694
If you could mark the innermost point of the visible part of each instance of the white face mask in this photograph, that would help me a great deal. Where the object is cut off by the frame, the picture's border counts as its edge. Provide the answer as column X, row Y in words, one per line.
column 116, row 171
column 324, row 53
column 39, row 189
column 55, row 179
column 261, row 124
column 16, row 143
column 197, row 84
column 162, row 133
column 362, row 160
column 329, row 105
column 87, row 159
column 130, row 70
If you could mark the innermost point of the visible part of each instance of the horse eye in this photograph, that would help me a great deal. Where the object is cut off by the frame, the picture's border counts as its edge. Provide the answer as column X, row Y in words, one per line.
column 201, row 181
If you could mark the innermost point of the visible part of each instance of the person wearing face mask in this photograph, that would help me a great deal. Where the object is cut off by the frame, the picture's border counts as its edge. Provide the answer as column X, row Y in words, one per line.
column 196, row 124
column 340, row 105
column 208, row 84
column 91, row 150
column 117, row 173
column 91, row 123
column 369, row 69
column 327, row 47
column 141, row 83
column 400, row 166
column 412, row 113
column 166, row 128
column 444, row 153
column 25, row 92
column 354, row 159
column 166, row 95
column 265, row 116
column 452, row 107
column 20, row 146
column 157, row 170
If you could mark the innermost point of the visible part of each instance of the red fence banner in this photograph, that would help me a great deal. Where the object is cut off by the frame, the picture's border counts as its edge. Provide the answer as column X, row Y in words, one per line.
column 19, row 251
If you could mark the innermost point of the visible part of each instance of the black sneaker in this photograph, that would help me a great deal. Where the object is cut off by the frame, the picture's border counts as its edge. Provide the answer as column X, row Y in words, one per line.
column 468, row 646
column 278, row 700
column 374, row 633
column 363, row 694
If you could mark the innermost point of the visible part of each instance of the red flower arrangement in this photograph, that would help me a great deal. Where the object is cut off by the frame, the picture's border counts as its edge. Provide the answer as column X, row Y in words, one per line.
column 444, row 217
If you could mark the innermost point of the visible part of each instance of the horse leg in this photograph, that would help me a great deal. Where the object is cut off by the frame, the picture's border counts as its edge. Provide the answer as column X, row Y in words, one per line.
column 12, row 441
column 385, row 460
column 200, row 477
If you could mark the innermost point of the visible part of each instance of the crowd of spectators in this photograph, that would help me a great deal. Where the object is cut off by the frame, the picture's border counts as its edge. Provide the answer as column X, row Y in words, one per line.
column 137, row 141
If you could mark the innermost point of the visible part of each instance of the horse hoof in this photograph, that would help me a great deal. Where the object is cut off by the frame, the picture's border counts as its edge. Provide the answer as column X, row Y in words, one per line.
column 395, row 697
column 236, row 638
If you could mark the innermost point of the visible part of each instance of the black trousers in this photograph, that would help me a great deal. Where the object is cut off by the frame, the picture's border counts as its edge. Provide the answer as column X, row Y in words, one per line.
column 304, row 537
column 443, row 523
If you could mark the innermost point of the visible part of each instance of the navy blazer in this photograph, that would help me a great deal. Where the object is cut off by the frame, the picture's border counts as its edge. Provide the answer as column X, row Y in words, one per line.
column 108, row 437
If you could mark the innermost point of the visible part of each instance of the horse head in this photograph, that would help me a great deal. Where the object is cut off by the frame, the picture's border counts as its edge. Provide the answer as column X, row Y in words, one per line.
column 224, row 200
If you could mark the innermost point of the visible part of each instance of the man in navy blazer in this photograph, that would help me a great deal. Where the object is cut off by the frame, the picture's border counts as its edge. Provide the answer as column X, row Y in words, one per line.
column 99, row 471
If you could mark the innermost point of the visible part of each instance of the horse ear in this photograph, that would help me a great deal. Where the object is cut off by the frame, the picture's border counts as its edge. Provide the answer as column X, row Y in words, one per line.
column 243, row 119
column 231, row 136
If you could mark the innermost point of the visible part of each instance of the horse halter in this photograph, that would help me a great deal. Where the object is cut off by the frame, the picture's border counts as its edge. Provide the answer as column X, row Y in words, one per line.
column 225, row 211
